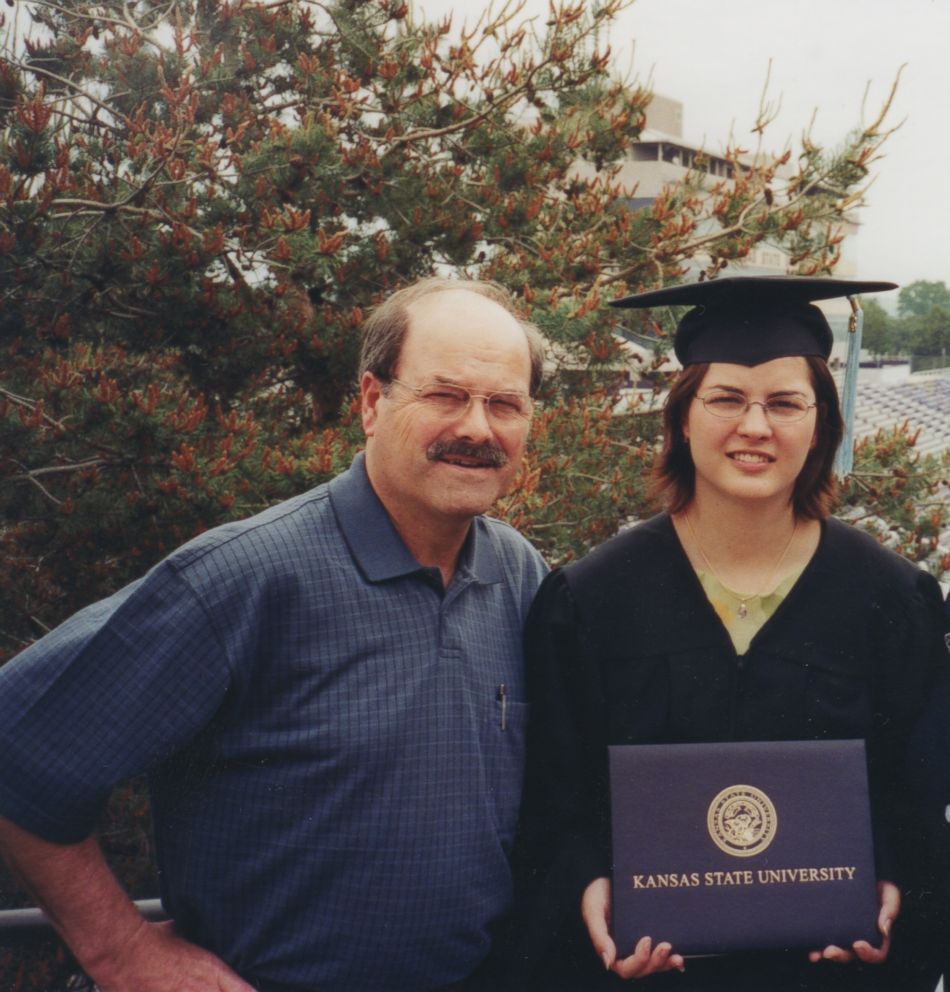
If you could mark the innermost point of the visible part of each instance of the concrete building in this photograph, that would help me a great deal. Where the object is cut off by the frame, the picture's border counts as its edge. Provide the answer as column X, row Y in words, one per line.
column 663, row 157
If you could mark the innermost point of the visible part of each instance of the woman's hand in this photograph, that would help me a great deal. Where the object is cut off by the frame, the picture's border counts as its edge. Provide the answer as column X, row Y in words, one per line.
column 645, row 960
column 890, row 897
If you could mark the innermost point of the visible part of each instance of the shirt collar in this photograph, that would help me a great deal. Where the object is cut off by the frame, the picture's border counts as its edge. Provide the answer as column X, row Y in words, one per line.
column 375, row 543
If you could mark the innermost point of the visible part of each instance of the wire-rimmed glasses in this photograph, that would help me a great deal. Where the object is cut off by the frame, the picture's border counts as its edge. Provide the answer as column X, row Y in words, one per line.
column 449, row 400
column 785, row 408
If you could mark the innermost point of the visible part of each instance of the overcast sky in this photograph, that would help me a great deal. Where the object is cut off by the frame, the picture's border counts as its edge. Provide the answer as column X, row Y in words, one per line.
column 714, row 57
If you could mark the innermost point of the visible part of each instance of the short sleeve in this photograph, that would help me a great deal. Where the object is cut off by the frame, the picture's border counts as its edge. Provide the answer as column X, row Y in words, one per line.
column 105, row 696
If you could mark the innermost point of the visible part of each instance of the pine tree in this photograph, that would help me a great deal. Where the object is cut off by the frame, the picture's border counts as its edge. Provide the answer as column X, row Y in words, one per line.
column 200, row 200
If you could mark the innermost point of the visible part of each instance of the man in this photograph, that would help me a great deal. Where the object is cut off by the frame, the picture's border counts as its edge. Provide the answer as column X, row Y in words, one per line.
column 326, row 696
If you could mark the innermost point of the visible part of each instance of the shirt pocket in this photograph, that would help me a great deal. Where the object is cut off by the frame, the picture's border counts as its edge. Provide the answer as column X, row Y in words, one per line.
column 498, row 752
column 506, row 730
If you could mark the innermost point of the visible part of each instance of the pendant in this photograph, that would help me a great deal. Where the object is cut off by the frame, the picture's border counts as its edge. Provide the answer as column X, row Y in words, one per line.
column 742, row 612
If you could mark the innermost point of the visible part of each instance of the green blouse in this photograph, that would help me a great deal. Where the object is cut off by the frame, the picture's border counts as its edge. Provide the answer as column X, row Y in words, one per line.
column 744, row 624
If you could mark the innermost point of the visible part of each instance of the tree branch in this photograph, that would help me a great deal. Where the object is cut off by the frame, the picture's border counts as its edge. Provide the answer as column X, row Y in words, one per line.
column 78, row 90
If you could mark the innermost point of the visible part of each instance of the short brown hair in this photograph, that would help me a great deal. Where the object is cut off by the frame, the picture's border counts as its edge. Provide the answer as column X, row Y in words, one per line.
column 384, row 331
column 673, row 480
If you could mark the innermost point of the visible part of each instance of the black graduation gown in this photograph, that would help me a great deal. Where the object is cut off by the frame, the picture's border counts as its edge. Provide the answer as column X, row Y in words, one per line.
column 928, row 772
column 623, row 647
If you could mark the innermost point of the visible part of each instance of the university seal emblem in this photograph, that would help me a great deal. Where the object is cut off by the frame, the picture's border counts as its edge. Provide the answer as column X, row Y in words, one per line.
column 742, row 821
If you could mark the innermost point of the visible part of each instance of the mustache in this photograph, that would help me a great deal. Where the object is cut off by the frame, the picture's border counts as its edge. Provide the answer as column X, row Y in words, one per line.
column 488, row 454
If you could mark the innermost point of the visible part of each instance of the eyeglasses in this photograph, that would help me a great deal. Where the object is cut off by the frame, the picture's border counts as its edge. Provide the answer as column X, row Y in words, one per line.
column 726, row 405
column 446, row 400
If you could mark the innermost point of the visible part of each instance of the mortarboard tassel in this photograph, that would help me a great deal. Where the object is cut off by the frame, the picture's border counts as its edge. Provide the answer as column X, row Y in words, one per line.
column 844, row 458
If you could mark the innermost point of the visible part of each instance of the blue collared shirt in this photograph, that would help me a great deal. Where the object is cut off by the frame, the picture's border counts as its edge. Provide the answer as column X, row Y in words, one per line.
column 334, row 740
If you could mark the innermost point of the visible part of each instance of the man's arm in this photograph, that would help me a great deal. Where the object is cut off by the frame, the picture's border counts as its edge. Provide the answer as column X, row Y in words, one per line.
column 112, row 942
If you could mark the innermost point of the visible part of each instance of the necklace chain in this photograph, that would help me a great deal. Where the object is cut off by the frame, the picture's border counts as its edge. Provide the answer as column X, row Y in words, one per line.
column 742, row 610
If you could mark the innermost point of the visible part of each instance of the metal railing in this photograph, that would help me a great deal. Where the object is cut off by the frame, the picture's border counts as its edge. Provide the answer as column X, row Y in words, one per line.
column 929, row 363
column 28, row 921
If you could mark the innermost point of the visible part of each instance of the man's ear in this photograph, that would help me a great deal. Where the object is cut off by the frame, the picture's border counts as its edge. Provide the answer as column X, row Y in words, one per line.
column 371, row 391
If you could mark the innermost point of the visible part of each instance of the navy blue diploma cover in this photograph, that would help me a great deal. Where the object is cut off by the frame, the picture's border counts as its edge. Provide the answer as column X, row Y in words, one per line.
column 742, row 846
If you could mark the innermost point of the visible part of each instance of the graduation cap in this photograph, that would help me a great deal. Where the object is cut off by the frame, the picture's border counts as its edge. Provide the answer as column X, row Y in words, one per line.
column 747, row 320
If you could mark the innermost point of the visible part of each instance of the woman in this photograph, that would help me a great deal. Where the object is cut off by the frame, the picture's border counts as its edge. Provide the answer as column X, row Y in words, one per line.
column 743, row 612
